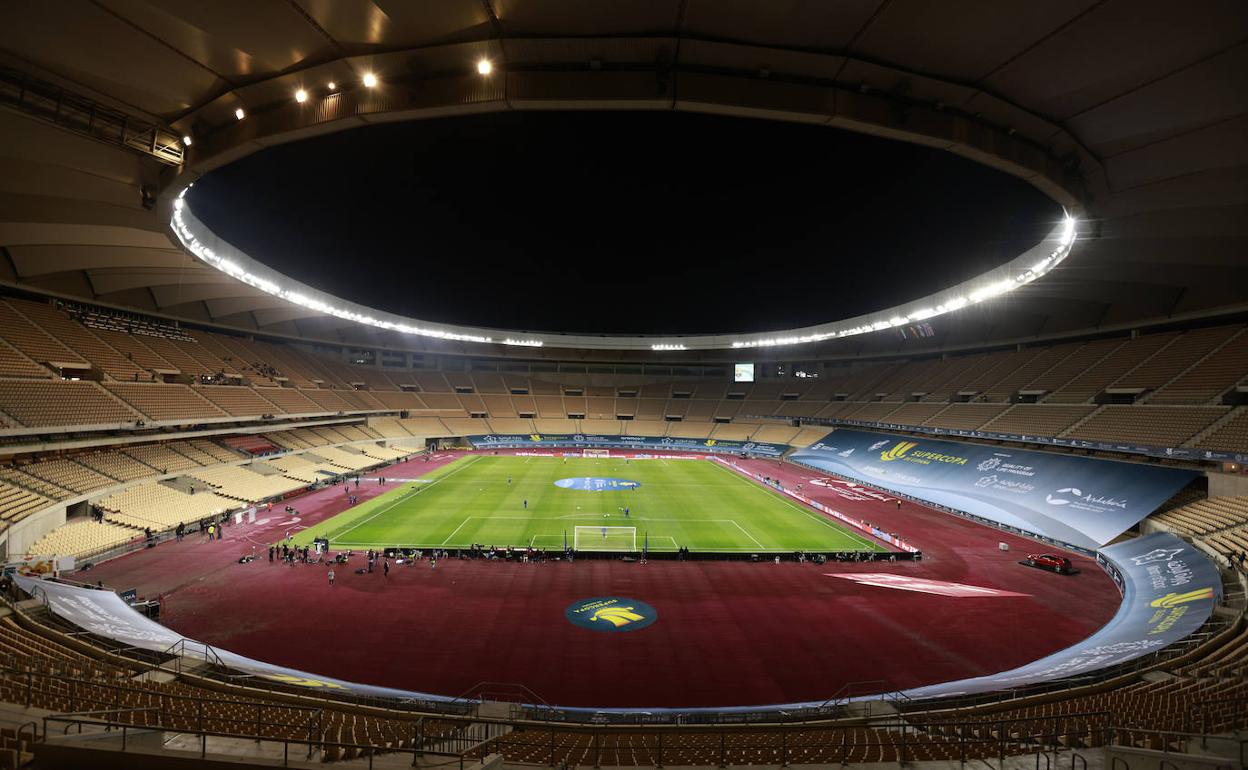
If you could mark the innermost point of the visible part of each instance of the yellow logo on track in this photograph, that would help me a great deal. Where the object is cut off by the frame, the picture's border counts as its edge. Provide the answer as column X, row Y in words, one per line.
column 617, row 616
column 898, row 451
column 611, row 614
column 1175, row 599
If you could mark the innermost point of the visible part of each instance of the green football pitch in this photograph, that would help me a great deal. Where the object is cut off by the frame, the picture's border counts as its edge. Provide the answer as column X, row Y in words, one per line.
column 695, row 504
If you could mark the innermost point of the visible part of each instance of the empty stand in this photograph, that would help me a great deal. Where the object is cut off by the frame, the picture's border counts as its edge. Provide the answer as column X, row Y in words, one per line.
column 1165, row 426
column 35, row 403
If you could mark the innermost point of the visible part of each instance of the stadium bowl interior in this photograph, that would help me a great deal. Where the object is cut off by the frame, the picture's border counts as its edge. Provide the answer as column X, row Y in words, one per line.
column 993, row 508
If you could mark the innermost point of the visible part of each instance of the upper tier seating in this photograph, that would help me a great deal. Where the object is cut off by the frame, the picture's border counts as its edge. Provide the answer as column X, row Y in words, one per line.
column 166, row 402
column 32, row 341
column 35, row 403
column 1149, row 425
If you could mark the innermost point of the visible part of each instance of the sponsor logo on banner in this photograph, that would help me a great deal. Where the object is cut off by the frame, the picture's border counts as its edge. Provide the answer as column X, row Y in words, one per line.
column 989, row 464
column 1173, row 599
column 596, row 484
column 611, row 613
column 1088, row 502
column 873, row 447
column 1157, row 554
column 846, row 453
column 898, row 451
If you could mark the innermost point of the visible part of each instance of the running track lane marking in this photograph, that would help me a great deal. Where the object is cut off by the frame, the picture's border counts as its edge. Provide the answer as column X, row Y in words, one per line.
column 402, row 499
column 785, row 499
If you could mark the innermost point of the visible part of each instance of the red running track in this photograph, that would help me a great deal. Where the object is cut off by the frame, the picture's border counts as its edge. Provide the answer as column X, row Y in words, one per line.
column 728, row 633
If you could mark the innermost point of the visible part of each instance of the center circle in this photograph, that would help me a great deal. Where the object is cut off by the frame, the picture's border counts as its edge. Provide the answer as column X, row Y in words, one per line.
column 611, row 613
column 597, row 484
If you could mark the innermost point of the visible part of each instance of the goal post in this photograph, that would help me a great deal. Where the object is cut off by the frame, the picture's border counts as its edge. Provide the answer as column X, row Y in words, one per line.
column 595, row 453
column 604, row 538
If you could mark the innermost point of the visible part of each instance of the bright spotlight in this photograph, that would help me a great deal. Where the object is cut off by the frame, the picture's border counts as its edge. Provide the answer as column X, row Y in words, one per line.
column 333, row 86
column 301, row 96
column 370, row 80
column 186, row 140
column 239, row 113
column 484, row 67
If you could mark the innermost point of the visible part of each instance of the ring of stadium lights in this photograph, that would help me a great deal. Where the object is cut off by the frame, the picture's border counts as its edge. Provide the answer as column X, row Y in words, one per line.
column 206, row 246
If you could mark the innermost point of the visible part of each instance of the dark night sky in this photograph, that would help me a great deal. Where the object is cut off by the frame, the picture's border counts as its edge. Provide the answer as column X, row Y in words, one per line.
column 661, row 222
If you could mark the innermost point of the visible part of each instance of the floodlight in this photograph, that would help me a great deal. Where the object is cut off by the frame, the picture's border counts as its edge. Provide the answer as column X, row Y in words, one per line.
column 484, row 67
column 370, row 80
column 186, row 140
column 239, row 113
column 301, row 96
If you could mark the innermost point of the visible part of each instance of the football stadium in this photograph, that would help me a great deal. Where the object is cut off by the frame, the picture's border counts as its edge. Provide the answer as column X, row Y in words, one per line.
column 535, row 384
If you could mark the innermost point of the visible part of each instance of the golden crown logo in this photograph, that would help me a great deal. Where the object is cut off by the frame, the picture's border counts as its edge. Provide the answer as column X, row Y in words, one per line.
column 1173, row 599
column 710, row 442
column 535, row 437
column 617, row 616
column 302, row 681
column 898, row 451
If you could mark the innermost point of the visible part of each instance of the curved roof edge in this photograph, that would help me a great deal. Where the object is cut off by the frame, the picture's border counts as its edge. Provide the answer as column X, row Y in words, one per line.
column 208, row 247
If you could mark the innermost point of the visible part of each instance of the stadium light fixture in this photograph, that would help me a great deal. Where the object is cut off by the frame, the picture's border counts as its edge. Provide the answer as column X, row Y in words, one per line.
column 332, row 86
column 187, row 140
column 240, row 113
column 301, row 96
column 484, row 67
column 1023, row 269
column 370, row 80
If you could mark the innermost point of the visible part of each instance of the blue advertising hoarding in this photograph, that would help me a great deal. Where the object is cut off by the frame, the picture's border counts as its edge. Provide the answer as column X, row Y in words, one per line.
column 1077, row 500
column 631, row 443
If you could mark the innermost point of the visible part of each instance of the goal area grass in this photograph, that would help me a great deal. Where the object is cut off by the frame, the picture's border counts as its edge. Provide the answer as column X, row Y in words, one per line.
column 509, row 500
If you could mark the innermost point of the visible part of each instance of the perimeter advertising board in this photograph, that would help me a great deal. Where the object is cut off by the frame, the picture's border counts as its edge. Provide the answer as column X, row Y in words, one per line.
column 1076, row 500
column 632, row 443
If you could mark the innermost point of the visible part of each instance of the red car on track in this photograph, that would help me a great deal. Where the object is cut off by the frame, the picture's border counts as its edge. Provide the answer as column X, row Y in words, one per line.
column 1049, row 561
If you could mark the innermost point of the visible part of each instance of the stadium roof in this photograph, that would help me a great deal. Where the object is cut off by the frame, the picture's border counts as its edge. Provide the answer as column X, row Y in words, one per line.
column 1132, row 114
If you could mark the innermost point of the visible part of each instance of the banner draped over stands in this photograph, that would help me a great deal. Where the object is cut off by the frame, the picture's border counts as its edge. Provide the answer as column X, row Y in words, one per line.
column 1077, row 500
column 1169, row 590
column 106, row 614
column 632, row 443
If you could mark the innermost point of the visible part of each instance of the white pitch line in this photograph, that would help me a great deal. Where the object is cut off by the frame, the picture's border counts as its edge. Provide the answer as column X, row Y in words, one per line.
column 747, row 534
column 457, row 529
column 403, row 498
column 784, row 499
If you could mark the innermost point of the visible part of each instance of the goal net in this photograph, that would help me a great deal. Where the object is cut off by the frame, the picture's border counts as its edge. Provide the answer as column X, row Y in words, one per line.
column 595, row 453
column 604, row 538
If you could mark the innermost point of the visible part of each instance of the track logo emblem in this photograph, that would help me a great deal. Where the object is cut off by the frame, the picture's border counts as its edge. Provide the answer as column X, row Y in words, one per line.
column 989, row 464
column 611, row 613
column 898, row 451
column 1175, row 599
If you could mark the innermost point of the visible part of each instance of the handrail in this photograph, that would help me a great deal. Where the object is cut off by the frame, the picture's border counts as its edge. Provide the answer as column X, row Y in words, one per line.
column 312, row 744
